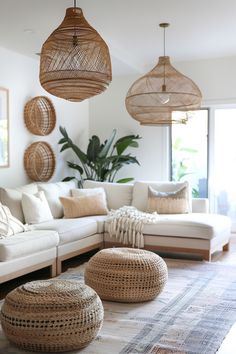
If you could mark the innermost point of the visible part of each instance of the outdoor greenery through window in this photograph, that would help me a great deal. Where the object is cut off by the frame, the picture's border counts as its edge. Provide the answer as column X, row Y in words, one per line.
column 189, row 152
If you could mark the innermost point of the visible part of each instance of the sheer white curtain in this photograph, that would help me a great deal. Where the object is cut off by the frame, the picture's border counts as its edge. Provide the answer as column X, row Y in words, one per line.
column 223, row 163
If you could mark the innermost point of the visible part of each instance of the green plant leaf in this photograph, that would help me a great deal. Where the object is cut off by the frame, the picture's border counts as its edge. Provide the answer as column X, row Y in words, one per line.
column 75, row 167
column 188, row 150
column 104, row 151
column 79, row 153
column 122, row 159
column 63, row 132
column 67, row 179
column 127, row 141
column 93, row 148
column 65, row 147
column 125, row 180
column 62, row 141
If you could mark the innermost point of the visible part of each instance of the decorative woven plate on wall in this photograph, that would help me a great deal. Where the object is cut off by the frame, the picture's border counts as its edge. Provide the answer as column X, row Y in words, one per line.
column 39, row 161
column 40, row 115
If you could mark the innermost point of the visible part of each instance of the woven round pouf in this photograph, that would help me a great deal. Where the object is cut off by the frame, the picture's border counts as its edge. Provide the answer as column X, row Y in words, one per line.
column 126, row 274
column 52, row 315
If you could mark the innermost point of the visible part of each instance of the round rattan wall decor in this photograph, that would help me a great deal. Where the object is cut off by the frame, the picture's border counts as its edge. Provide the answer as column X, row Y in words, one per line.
column 40, row 115
column 39, row 161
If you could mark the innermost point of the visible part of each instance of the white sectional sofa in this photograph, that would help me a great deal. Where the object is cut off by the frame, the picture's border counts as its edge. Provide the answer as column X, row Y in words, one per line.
column 51, row 242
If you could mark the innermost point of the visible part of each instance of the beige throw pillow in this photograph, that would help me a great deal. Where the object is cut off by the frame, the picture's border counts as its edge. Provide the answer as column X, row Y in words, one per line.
column 76, row 207
column 168, row 202
column 35, row 208
column 9, row 225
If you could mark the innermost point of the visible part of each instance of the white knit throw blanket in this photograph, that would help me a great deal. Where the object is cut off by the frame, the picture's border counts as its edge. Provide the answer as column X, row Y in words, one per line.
column 127, row 223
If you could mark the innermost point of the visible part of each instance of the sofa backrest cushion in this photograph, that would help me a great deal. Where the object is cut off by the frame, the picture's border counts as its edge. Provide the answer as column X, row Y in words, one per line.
column 53, row 191
column 140, row 192
column 12, row 198
column 118, row 194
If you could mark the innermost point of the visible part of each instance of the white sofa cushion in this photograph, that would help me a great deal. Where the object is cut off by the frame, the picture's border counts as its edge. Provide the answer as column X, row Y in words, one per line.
column 12, row 198
column 53, row 191
column 70, row 230
column 84, row 192
column 200, row 205
column 35, row 208
column 140, row 191
column 199, row 225
column 118, row 194
column 27, row 243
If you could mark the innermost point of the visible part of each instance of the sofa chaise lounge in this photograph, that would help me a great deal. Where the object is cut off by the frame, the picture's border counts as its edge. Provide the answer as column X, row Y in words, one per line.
column 51, row 242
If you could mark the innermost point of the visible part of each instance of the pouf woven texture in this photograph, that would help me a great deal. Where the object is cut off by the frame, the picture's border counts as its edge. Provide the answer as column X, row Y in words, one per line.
column 52, row 315
column 126, row 274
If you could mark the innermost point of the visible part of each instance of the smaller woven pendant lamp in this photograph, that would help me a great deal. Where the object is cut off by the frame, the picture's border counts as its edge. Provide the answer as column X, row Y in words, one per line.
column 75, row 62
column 152, row 98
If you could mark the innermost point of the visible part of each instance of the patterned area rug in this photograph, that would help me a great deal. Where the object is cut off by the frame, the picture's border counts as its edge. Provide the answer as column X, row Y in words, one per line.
column 192, row 315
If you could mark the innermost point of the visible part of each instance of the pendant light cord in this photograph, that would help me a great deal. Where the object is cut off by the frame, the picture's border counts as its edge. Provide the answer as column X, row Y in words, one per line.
column 75, row 38
column 164, row 25
column 164, row 49
column 164, row 44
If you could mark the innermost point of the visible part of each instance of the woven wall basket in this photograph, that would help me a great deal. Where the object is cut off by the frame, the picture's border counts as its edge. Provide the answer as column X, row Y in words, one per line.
column 75, row 61
column 39, row 161
column 40, row 116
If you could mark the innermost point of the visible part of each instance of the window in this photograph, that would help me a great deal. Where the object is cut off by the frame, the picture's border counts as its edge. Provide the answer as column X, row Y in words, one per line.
column 189, row 152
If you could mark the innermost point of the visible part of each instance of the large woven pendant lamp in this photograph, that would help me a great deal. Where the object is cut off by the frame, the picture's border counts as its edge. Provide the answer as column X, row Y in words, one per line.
column 75, row 62
column 152, row 98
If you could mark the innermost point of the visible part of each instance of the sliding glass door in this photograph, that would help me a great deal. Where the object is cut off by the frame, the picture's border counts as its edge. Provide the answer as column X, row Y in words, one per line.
column 189, row 152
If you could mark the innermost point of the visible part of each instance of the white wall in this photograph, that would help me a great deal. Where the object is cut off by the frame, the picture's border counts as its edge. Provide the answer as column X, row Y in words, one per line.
column 19, row 74
column 215, row 77
column 107, row 111
column 217, row 80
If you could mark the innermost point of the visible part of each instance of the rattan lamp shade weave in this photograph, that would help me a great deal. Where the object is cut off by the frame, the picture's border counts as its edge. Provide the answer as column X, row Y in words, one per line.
column 75, row 61
column 39, row 161
column 40, row 116
column 145, row 100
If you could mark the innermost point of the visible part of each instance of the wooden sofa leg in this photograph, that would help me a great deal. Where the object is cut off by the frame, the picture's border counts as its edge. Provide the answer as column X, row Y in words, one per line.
column 59, row 266
column 226, row 247
column 53, row 269
column 206, row 256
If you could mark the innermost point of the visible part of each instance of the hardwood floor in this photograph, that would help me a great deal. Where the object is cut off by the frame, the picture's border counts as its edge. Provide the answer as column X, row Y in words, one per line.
column 227, row 257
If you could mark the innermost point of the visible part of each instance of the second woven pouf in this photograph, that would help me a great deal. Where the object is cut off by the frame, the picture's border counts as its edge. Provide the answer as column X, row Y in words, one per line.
column 126, row 274
column 52, row 315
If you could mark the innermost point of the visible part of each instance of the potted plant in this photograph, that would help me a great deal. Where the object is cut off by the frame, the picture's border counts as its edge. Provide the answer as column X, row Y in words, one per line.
column 101, row 161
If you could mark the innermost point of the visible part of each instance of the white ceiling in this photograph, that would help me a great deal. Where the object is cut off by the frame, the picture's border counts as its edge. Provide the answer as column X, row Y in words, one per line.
column 199, row 29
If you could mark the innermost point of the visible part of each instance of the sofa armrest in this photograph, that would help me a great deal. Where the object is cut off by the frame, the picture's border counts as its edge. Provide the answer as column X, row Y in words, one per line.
column 200, row 205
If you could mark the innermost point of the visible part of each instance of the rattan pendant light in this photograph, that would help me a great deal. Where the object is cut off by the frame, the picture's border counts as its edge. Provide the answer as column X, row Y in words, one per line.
column 152, row 98
column 75, row 62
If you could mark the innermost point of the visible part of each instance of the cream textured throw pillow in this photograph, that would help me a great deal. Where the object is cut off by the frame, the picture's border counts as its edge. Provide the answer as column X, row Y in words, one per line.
column 35, row 208
column 9, row 225
column 76, row 207
column 168, row 202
